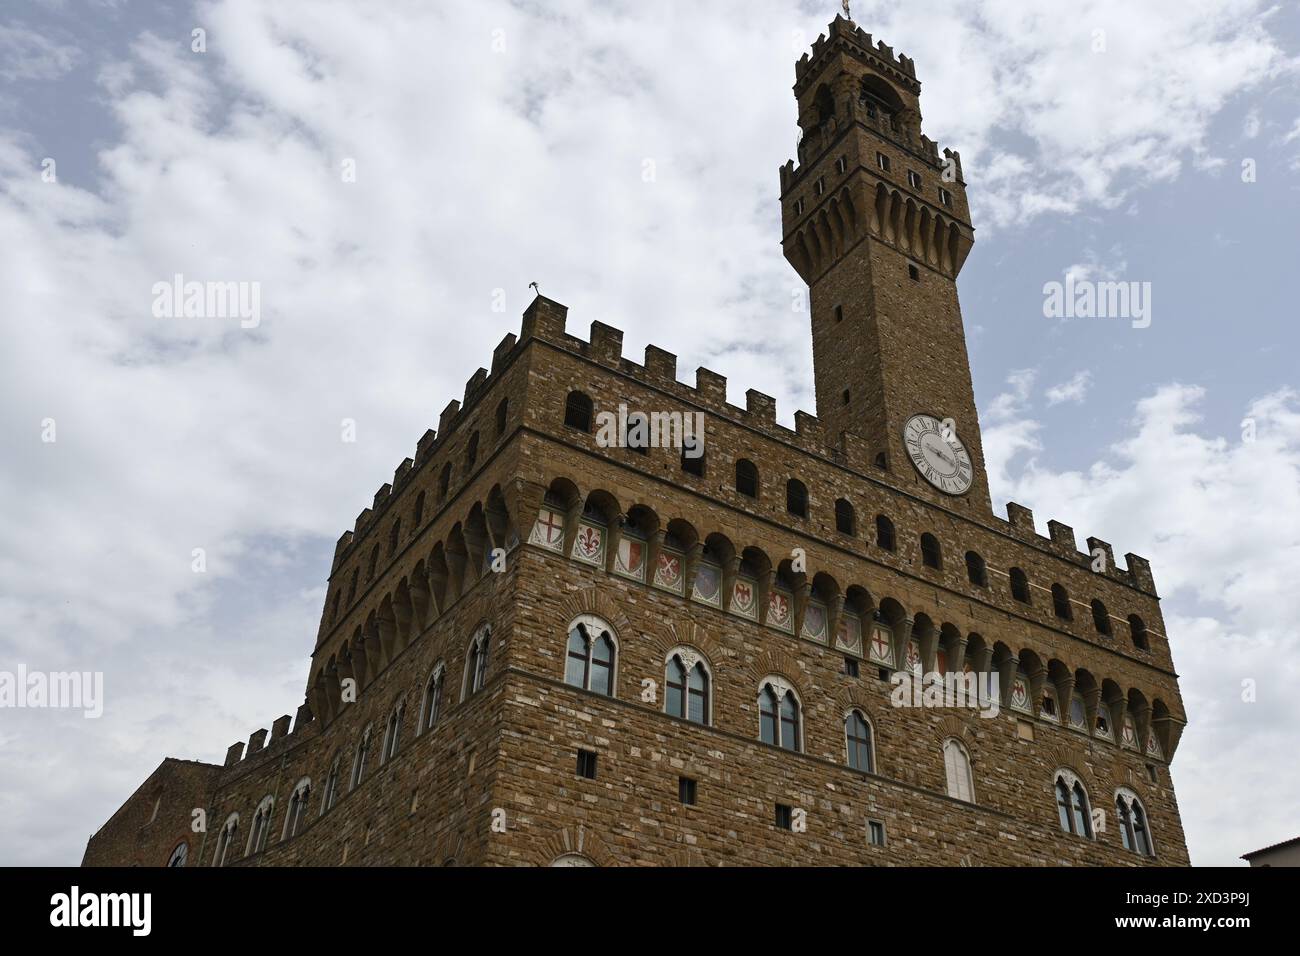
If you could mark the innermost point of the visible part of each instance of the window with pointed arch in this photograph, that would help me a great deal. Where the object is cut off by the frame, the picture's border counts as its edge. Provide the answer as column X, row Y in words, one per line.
column 225, row 839
column 261, row 829
column 180, row 854
column 956, row 767
column 592, row 649
column 687, row 680
column 431, row 708
column 331, row 794
column 361, row 760
column 392, row 733
column 1133, row 829
column 857, row 738
column 779, row 715
column 1072, row 805
column 296, row 818
column 476, row 661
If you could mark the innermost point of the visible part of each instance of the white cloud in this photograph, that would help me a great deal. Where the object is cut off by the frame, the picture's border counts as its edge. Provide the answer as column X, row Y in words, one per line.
column 1220, row 520
column 26, row 55
column 1075, row 390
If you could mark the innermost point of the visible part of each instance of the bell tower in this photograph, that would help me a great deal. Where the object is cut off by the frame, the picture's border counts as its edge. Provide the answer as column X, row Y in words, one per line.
column 875, row 221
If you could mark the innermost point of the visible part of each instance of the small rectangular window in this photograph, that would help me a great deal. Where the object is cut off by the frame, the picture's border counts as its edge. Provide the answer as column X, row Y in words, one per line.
column 587, row 764
column 839, row 313
column 883, row 674
column 686, row 791
column 784, row 816
column 820, row 187
column 882, row 161
column 851, row 666
column 876, row 832
column 913, row 273
column 841, row 165
column 945, row 197
column 846, row 396
column 1152, row 775
column 914, row 179
column 798, row 207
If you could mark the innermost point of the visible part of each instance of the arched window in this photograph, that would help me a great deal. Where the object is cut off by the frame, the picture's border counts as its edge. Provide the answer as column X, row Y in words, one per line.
column 432, row 705
column 444, row 482
column 471, row 452
column 503, row 409
column 261, row 826
column 476, row 663
column 1100, row 618
column 687, row 682
column 293, row 820
column 931, row 553
column 976, row 570
column 1133, row 829
column 1061, row 603
column 392, row 733
column 394, row 537
column 857, row 737
column 956, row 766
column 845, row 519
column 419, row 512
column 747, row 478
column 778, row 715
column 1072, row 805
column 179, row 855
column 361, row 758
column 332, row 785
column 590, row 659
column 1019, row 585
column 885, row 533
column 796, row 498
column 225, row 839
column 1138, row 631
column 577, row 411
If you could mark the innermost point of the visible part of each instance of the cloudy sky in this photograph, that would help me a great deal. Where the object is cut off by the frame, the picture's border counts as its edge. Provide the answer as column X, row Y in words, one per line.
column 497, row 143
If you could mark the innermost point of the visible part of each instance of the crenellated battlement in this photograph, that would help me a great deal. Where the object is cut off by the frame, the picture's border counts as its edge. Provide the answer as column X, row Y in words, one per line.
column 546, row 320
column 847, row 35
column 259, row 744
column 1061, row 541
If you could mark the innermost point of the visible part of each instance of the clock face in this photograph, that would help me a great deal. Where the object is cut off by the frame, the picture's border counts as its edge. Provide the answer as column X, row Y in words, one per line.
column 938, row 454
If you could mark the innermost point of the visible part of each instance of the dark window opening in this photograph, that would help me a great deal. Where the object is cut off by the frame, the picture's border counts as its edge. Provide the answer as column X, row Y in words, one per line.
column 845, row 519
column 587, row 764
column 796, row 498
column 784, row 816
column 931, row 554
column 577, row 411
column 747, row 478
column 686, row 791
